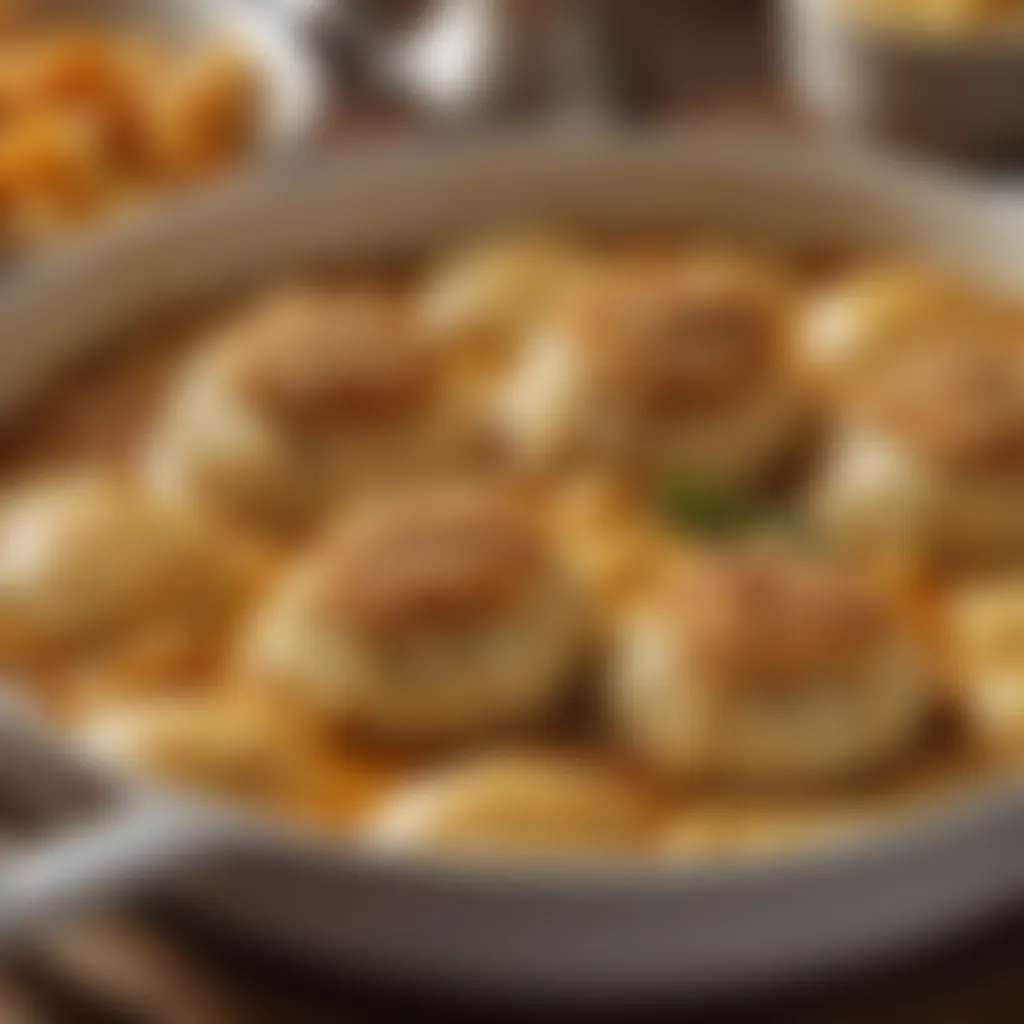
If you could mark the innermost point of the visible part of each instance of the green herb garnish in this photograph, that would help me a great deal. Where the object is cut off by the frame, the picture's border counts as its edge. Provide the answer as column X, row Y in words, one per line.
column 712, row 510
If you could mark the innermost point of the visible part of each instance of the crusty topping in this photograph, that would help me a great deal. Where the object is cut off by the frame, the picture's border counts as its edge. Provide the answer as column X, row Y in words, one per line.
column 437, row 559
column 317, row 360
column 961, row 402
column 670, row 336
column 765, row 617
column 99, row 534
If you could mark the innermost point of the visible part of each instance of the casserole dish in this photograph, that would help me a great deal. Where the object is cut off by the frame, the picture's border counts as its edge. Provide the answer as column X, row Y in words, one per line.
column 587, row 930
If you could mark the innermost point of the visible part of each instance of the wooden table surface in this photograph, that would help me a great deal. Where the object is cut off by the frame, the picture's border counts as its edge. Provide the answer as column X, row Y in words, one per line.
column 144, row 965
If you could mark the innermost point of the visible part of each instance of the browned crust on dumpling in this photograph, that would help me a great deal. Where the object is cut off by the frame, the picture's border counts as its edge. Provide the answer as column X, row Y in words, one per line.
column 672, row 335
column 960, row 403
column 448, row 557
column 761, row 617
column 319, row 359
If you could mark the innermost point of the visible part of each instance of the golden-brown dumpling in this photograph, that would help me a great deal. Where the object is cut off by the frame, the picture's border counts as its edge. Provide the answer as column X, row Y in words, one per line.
column 660, row 366
column 311, row 394
column 755, row 831
column 220, row 744
column 607, row 532
column 987, row 620
column 430, row 613
column 857, row 325
column 759, row 665
column 930, row 459
column 484, row 299
column 518, row 805
column 95, row 558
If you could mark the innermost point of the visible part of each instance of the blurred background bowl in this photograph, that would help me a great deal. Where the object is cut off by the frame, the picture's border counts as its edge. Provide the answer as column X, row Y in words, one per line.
column 957, row 95
column 296, row 100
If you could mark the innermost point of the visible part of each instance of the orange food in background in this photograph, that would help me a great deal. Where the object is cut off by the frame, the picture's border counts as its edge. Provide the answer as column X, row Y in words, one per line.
column 91, row 121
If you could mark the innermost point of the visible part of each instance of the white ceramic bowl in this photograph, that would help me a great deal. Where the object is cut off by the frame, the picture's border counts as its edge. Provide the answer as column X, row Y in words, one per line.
column 959, row 96
column 589, row 930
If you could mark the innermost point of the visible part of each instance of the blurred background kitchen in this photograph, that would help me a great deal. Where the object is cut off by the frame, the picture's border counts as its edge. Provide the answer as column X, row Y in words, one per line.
column 97, row 122
column 105, row 104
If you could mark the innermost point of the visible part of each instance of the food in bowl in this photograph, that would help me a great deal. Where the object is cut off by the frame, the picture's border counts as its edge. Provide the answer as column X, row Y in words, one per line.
column 760, row 665
column 401, row 629
column 487, row 295
column 522, row 802
column 943, row 17
column 987, row 624
column 93, row 120
column 222, row 743
column 308, row 396
column 92, row 560
column 853, row 327
column 929, row 453
column 432, row 613
column 662, row 365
